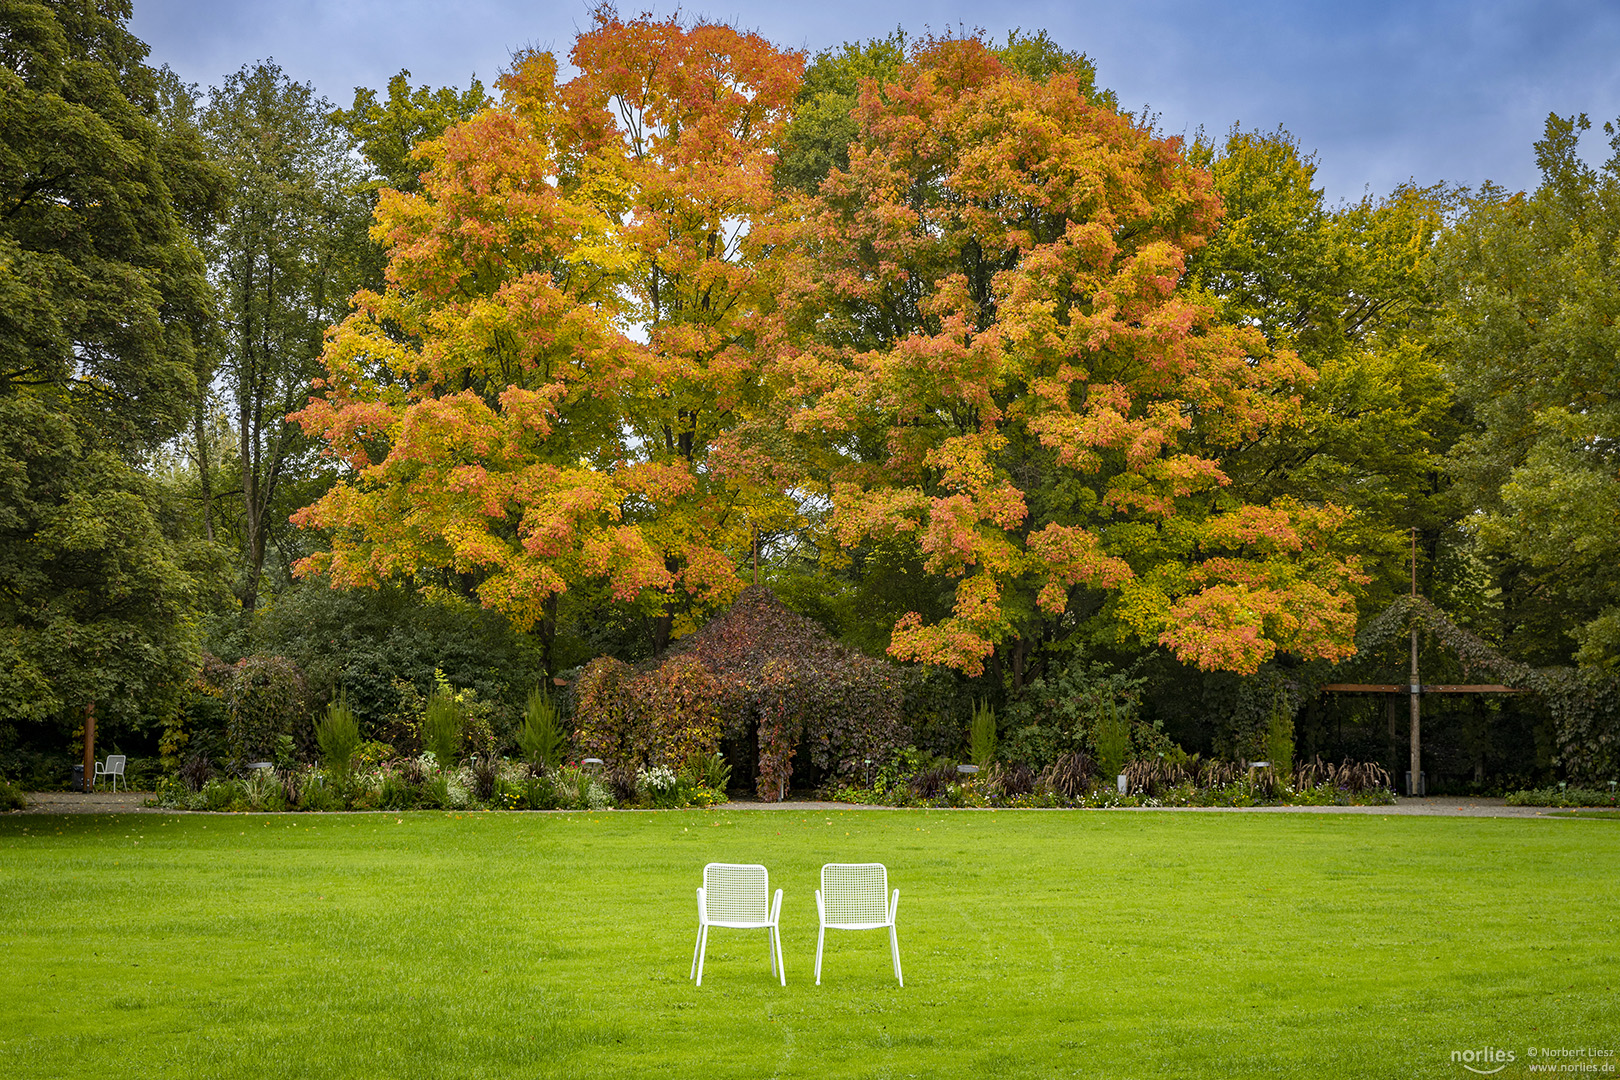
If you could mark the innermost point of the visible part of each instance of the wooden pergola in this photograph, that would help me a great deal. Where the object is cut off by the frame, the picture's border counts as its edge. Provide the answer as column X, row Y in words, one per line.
column 1414, row 688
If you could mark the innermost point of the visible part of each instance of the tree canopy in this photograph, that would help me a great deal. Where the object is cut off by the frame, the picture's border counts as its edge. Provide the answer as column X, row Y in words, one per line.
column 925, row 333
column 100, row 291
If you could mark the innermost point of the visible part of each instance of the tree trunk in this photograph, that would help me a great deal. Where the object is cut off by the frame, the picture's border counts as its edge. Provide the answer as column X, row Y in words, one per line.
column 1020, row 650
column 200, row 433
column 666, row 619
column 548, row 638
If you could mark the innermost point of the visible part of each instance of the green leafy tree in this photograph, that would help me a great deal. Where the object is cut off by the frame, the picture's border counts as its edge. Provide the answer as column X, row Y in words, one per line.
column 288, row 253
column 388, row 132
column 97, row 279
column 1530, row 294
column 1347, row 289
column 96, row 597
column 100, row 293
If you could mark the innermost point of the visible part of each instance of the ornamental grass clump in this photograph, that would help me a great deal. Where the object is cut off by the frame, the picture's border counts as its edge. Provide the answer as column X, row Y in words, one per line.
column 484, row 770
column 1070, row 775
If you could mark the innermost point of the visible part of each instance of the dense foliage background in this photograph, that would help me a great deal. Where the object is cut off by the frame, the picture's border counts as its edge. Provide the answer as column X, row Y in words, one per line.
column 967, row 365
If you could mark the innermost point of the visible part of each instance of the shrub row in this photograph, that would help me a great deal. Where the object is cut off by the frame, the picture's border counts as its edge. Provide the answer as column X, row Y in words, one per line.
column 483, row 783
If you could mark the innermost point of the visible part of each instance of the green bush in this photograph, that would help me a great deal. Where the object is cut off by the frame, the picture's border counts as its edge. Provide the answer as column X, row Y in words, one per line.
column 541, row 737
column 441, row 728
column 1280, row 738
column 982, row 735
column 539, row 793
column 319, row 796
column 11, row 798
column 264, row 701
column 338, row 734
column 394, row 793
column 436, row 793
column 1113, row 739
column 286, row 756
column 219, row 794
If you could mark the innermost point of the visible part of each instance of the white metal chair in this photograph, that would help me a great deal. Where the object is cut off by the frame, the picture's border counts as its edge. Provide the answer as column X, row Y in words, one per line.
column 113, row 768
column 738, row 896
column 855, row 896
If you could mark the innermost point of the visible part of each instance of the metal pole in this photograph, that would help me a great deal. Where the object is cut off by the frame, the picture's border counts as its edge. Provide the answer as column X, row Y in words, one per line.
column 89, row 744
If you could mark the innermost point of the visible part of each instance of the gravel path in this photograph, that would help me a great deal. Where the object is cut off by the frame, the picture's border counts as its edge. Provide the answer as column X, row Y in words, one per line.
column 130, row 802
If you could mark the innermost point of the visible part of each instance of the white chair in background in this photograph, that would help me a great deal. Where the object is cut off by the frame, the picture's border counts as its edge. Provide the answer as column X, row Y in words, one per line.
column 738, row 896
column 855, row 896
column 114, row 768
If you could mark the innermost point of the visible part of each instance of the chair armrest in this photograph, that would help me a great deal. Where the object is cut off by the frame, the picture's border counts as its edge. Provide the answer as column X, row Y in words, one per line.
column 821, row 909
column 703, row 908
column 776, row 908
column 894, row 906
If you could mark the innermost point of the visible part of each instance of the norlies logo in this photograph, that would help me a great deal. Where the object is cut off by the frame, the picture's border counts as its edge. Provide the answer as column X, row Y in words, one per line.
column 1488, row 1055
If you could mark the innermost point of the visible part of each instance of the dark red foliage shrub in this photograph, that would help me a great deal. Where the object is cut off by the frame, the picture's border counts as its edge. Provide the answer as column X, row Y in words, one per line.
column 759, row 666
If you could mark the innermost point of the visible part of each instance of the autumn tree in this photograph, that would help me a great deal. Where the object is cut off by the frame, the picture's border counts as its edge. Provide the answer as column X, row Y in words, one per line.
column 387, row 132
column 994, row 351
column 536, row 401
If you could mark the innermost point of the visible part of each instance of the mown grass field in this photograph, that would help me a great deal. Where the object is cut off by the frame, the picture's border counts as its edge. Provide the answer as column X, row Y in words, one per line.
column 1035, row 944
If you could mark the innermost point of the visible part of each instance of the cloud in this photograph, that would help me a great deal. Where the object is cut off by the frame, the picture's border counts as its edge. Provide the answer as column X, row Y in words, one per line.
column 1428, row 89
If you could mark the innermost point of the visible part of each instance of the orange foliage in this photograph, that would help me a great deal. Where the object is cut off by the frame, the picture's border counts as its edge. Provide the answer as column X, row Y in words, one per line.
column 603, row 328
column 533, row 398
column 991, row 292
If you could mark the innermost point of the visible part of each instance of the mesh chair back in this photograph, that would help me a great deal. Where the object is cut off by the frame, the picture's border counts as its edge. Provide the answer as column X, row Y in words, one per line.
column 855, row 893
column 115, row 763
column 737, row 892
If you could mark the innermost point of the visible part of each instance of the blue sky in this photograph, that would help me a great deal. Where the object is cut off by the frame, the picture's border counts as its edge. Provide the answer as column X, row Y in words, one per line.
column 1383, row 92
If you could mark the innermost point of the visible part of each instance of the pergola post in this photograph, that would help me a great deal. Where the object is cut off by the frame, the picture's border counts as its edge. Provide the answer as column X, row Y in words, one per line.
column 1416, row 786
column 89, row 744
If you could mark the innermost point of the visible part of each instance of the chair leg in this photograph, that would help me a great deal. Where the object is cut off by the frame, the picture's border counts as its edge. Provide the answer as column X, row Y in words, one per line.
column 781, row 968
column 894, row 948
column 695, row 945
column 703, row 947
column 821, row 938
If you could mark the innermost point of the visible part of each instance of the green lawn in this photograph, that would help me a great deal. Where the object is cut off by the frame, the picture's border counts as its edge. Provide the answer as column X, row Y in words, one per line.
column 1035, row 944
